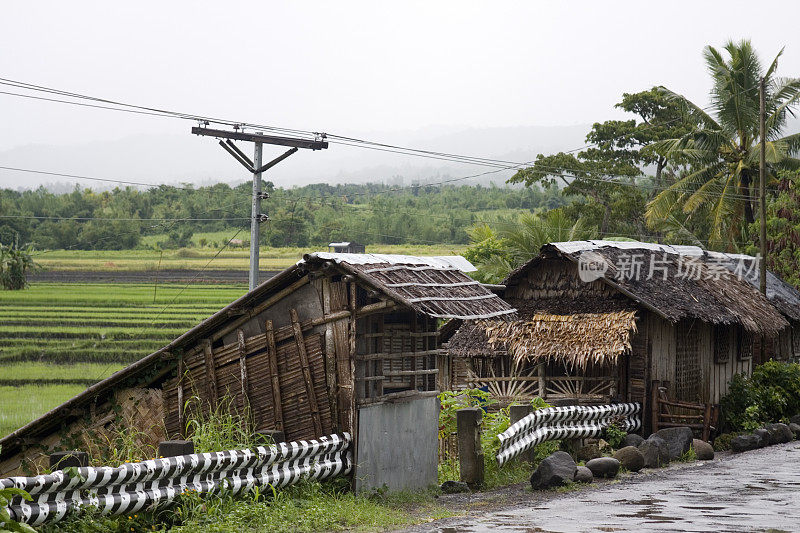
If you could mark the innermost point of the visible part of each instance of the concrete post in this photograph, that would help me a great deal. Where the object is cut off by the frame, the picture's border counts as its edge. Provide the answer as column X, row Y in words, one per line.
column 67, row 459
column 515, row 414
column 470, row 451
column 174, row 448
column 269, row 436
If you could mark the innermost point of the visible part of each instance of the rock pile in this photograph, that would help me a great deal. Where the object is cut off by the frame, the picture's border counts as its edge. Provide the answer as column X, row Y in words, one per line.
column 769, row 435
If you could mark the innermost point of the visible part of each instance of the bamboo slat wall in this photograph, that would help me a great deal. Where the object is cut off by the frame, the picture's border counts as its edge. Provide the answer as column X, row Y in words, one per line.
column 304, row 410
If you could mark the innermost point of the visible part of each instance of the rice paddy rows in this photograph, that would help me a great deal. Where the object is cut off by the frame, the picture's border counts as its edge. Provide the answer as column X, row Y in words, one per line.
column 57, row 339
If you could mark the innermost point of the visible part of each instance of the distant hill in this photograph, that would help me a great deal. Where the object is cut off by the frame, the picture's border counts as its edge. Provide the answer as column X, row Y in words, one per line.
column 175, row 159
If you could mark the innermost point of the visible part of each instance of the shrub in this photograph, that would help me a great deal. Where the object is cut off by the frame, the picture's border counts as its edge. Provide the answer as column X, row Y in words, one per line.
column 6, row 524
column 723, row 442
column 15, row 262
column 614, row 435
column 771, row 394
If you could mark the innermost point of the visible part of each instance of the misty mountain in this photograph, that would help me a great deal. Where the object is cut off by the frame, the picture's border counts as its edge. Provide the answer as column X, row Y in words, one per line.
column 178, row 159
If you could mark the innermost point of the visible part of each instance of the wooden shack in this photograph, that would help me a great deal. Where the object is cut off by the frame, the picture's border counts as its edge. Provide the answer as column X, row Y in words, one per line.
column 604, row 334
column 304, row 353
column 347, row 247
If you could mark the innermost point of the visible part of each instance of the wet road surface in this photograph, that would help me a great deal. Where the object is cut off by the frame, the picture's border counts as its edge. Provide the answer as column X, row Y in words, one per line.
column 753, row 491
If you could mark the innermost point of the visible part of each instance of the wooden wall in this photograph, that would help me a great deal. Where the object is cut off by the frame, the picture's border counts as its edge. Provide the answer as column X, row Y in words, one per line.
column 665, row 339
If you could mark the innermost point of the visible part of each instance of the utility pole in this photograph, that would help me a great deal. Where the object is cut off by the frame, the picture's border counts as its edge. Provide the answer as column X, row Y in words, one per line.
column 762, row 174
column 257, row 169
column 254, row 216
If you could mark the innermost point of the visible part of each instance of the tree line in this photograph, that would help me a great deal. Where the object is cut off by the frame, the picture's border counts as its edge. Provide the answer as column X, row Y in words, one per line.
column 315, row 214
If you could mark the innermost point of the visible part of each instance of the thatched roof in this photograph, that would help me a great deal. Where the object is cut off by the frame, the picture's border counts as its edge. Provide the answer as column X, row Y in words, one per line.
column 575, row 333
column 434, row 286
column 783, row 296
column 706, row 294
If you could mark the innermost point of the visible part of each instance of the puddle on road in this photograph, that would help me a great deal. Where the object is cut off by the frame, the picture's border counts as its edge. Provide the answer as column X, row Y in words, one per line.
column 742, row 493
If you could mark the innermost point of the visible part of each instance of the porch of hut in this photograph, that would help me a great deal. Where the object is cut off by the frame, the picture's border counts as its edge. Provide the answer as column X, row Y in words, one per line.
column 564, row 358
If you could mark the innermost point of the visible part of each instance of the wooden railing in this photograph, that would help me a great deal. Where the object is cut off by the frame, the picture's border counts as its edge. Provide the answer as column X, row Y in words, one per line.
column 592, row 388
column 668, row 413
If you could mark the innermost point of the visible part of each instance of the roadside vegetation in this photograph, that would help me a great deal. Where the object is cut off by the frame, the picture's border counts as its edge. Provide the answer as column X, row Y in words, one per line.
column 495, row 421
column 771, row 394
column 308, row 506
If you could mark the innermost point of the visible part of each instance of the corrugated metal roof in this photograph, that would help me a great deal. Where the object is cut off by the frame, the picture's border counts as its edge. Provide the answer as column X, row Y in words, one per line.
column 444, row 262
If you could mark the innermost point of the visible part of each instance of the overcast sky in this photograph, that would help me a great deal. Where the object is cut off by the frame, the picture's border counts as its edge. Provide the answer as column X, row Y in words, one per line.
column 396, row 72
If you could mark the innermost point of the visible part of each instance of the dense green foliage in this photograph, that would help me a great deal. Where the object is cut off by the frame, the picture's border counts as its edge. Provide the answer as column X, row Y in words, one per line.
column 15, row 263
column 771, row 394
column 314, row 214
column 783, row 229
column 497, row 249
column 6, row 524
column 717, row 160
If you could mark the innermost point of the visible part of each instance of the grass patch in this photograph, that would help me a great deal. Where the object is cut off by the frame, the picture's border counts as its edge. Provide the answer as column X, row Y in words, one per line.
column 306, row 507
column 196, row 258
column 22, row 404
column 35, row 370
column 309, row 506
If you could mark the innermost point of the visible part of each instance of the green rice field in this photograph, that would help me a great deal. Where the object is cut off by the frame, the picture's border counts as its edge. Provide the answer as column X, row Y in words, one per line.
column 56, row 339
column 197, row 258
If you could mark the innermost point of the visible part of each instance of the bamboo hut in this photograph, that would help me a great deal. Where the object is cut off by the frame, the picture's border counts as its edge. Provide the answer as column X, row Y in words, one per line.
column 609, row 333
column 334, row 340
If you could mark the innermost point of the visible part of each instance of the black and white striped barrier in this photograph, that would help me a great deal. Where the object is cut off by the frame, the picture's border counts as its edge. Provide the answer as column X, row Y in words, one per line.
column 135, row 486
column 574, row 421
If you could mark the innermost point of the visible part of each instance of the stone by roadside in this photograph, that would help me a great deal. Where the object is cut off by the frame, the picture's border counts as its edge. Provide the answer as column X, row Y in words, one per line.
column 521, row 494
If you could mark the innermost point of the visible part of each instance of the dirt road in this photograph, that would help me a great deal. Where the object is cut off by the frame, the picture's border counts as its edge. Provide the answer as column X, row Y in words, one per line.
column 753, row 491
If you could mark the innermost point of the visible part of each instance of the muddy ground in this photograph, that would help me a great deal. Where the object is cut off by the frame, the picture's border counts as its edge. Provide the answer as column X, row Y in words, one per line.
column 752, row 491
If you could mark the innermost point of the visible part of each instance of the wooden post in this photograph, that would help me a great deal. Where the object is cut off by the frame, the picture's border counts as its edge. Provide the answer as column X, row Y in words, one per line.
column 243, row 369
column 707, row 422
column 654, row 407
column 211, row 374
column 470, row 451
column 312, row 395
column 542, row 382
column 353, row 292
column 344, row 376
column 272, row 356
column 330, row 351
column 181, row 415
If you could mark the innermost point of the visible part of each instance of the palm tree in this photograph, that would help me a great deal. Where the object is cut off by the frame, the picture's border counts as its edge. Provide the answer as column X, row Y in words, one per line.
column 717, row 162
column 498, row 251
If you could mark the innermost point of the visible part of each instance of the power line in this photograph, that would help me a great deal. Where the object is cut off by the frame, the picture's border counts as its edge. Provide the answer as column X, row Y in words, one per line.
column 341, row 139
column 120, row 219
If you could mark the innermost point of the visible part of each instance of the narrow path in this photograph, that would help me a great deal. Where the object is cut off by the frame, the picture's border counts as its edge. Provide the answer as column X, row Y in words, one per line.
column 753, row 491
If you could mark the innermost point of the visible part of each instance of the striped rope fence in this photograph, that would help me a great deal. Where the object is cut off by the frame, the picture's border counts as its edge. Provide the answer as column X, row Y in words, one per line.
column 574, row 421
column 135, row 486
